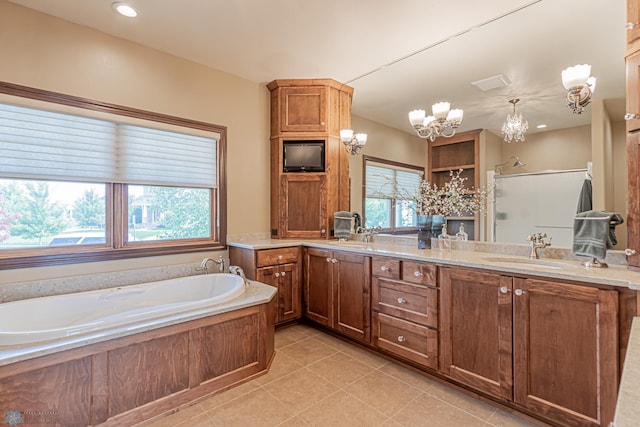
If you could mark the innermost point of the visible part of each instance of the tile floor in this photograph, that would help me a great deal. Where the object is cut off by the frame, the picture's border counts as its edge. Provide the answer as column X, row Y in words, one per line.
column 318, row 380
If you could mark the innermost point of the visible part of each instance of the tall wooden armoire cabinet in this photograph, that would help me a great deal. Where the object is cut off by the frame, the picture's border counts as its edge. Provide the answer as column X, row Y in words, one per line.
column 633, row 133
column 309, row 164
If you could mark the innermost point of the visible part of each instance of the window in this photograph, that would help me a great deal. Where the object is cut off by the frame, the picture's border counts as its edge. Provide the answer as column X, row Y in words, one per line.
column 81, row 181
column 389, row 188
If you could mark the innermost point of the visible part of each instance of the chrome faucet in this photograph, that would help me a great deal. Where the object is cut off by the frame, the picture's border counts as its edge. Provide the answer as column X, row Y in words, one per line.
column 234, row 269
column 219, row 262
column 536, row 241
column 368, row 232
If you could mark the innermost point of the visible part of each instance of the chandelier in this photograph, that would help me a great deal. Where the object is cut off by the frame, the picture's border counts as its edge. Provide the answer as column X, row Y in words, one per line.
column 580, row 86
column 514, row 128
column 353, row 143
column 443, row 122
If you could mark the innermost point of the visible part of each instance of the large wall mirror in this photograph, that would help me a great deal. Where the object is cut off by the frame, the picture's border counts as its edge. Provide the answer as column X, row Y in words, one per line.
column 529, row 46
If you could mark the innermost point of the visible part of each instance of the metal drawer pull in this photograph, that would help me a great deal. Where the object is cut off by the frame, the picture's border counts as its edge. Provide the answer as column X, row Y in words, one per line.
column 277, row 274
column 401, row 338
column 519, row 292
column 284, row 273
column 630, row 116
column 384, row 268
column 504, row 290
column 402, row 300
column 328, row 259
column 418, row 273
column 629, row 252
column 279, row 256
column 333, row 260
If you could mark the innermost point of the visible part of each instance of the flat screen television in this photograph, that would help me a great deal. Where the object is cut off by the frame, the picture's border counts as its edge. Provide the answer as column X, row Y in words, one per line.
column 303, row 156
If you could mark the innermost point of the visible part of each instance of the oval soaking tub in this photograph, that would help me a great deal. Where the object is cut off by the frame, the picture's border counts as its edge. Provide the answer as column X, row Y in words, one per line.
column 36, row 320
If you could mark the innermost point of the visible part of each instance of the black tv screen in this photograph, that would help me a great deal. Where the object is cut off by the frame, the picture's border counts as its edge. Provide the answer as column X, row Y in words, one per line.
column 303, row 156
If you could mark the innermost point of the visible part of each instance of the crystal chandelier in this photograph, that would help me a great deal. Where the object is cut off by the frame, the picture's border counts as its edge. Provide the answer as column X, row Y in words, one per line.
column 443, row 122
column 579, row 85
column 514, row 128
column 353, row 143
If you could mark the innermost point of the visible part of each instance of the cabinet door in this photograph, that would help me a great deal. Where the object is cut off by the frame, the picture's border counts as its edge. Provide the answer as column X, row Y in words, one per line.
column 633, row 198
column 352, row 295
column 475, row 329
column 633, row 91
column 303, row 207
column 318, row 279
column 565, row 352
column 303, row 109
column 289, row 304
column 633, row 17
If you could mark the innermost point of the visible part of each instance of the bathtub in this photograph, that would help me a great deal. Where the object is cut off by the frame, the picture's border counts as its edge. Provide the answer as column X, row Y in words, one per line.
column 39, row 320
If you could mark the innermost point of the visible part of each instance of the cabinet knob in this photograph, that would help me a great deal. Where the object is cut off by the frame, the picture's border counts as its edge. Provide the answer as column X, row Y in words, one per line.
column 504, row 290
column 630, row 116
column 630, row 25
column 401, row 338
column 333, row 260
column 328, row 259
column 284, row 273
column 277, row 274
column 322, row 231
column 519, row 292
column 418, row 273
column 402, row 300
column 384, row 268
column 629, row 252
column 279, row 257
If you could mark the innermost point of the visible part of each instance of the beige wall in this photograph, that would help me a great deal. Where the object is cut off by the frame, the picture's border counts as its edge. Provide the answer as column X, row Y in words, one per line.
column 47, row 53
column 386, row 143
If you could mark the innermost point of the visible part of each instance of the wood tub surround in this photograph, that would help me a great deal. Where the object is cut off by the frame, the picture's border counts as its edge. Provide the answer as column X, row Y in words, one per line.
column 131, row 379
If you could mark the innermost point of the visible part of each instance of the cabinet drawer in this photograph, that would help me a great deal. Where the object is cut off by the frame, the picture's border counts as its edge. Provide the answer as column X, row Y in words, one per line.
column 411, row 302
column 276, row 256
column 386, row 267
column 420, row 273
column 406, row 339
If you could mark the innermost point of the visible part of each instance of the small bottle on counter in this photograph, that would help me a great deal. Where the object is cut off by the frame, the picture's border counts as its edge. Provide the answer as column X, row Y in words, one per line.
column 444, row 239
column 461, row 234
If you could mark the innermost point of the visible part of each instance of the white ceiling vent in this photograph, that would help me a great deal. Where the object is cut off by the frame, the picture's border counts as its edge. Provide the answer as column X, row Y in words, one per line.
column 492, row 82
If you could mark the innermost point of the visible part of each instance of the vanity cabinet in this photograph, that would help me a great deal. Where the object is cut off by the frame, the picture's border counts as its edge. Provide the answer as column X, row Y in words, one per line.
column 633, row 158
column 460, row 152
column 303, row 203
column 405, row 310
column 337, row 291
column 548, row 347
column 633, row 33
column 279, row 268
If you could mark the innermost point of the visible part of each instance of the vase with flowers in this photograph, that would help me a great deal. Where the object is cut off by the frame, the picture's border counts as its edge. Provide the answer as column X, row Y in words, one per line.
column 434, row 204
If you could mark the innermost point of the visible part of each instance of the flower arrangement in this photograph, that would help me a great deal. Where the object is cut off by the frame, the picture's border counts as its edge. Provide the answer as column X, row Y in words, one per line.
column 452, row 198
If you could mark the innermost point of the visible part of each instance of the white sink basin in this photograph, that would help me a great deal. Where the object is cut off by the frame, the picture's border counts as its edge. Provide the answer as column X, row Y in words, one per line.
column 539, row 263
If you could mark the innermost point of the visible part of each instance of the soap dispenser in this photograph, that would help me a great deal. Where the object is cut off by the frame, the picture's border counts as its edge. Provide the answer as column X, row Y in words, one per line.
column 461, row 234
column 444, row 239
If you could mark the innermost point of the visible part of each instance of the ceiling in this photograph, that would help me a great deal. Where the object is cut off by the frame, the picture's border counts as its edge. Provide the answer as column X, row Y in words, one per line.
column 397, row 56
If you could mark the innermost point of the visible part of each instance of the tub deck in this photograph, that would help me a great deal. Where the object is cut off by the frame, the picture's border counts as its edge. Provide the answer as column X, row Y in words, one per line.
column 130, row 376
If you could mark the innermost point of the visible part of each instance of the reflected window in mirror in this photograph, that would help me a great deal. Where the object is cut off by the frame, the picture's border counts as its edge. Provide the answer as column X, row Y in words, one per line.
column 389, row 194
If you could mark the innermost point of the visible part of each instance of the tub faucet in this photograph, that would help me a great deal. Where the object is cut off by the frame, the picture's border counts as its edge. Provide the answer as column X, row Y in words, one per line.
column 234, row 269
column 536, row 241
column 219, row 262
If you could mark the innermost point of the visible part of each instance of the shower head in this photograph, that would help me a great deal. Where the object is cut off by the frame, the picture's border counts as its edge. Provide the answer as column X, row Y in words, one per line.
column 513, row 162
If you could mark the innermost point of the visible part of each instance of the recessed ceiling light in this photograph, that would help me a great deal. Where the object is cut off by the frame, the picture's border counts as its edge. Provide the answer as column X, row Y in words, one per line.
column 541, row 126
column 493, row 82
column 125, row 9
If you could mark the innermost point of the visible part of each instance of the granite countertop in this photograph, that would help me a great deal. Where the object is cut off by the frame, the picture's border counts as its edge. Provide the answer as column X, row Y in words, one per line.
column 627, row 410
column 553, row 263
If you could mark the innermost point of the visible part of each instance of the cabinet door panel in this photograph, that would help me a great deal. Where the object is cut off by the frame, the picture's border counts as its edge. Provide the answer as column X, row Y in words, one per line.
column 304, row 109
column 352, row 295
column 412, row 302
column 318, row 278
column 633, row 198
column 475, row 330
column 565, row 351
column 304, row 208
column 288, row 293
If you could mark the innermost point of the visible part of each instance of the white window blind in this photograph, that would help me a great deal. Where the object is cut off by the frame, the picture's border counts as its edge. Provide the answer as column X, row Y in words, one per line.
column 385, row 181
column 48, row 145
